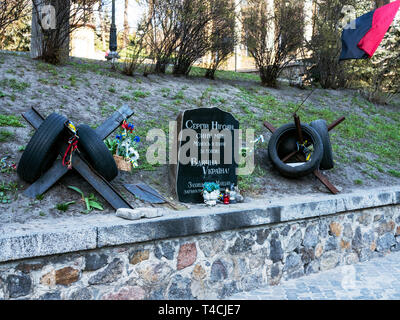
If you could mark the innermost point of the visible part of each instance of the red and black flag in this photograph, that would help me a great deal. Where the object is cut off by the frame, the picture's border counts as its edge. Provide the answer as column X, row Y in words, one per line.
column 362, row 41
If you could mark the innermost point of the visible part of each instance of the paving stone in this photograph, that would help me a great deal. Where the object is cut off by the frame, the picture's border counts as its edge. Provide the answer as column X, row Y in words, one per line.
column 377, row 279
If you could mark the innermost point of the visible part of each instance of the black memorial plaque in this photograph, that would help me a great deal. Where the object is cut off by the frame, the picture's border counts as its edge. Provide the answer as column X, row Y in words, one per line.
column 211, row 132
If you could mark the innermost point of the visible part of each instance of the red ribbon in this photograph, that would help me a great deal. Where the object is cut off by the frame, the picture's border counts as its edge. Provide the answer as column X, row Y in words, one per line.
column 72, row 146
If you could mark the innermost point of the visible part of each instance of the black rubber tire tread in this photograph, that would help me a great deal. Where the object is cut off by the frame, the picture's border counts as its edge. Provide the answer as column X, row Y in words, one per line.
column 321, row 127
column 96, row 152
column 43, row 148
column 290, row 130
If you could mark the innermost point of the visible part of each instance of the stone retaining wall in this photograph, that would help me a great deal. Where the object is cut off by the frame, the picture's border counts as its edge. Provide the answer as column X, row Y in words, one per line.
column 208, row 265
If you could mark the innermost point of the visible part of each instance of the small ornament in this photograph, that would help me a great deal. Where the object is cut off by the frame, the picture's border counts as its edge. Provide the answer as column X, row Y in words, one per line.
column 211, row 193
column 239, row 197
column 232, row 194
column 226, row 198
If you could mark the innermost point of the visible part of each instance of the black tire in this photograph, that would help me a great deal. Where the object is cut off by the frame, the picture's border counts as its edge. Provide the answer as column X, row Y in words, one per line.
column 96, row 152
column 278, row 142
column 322, row 128
column 43, row 148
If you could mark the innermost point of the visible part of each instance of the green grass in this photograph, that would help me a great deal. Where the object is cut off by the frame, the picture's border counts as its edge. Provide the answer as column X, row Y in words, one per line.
column 6, row 135
column 165, row 92
column 10, row 121
column 140, row 94
column 64, row 206
column 14, row 84
column 126, row 97
column 46, row 67
column 226, row 75
column 6, row 189
column 73, row 80
column 377, row 133
column 180, row 95
column 394, row 173
column 358, row 182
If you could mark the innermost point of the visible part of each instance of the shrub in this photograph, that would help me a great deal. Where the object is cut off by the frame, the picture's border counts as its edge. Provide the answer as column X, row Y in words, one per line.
column 273, row 35
column 223, row 36
column 325, row 44
column 135, row 53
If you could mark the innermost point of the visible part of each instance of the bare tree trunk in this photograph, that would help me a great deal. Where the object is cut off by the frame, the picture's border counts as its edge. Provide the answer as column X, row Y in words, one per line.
column 36, row 31
column 126, row 24
column 50, row 29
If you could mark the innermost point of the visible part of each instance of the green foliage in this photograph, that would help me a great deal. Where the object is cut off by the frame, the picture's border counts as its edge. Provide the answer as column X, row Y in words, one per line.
column 135, row 54
column 179, row 95
column 5, row 190
column 39, row 197
column 394, row 173
column 273, row 37
column 17, row 36
column 325, row 44
column 5, row 135
column 4, row 199
column 64, row 206
column 140, row 94
column 126, row 97
column 91, row 201
column 73, row 80
column 384, row 70
column 14, row 84
column 10, row 121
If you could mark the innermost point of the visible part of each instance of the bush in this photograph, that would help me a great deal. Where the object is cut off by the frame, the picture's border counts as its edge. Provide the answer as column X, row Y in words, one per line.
column 223, row 36
column 182, row 31
column 135, row 53
column 273, row 35
column 325, row 45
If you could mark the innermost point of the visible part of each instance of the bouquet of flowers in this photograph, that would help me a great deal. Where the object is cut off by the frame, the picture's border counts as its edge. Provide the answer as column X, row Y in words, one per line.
column 124, row 147
column 211, row 193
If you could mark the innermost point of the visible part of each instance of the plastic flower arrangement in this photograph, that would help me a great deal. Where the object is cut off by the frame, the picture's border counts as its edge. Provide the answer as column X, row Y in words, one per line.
column 210, row 187
column 125, row 144
column 211, row 193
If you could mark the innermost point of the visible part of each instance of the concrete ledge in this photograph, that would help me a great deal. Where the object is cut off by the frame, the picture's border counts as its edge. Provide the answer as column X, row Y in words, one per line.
column 19, row 241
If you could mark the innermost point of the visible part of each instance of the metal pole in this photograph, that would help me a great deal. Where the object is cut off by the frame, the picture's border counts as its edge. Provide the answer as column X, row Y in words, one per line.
column 113, row 30
column 113, row 55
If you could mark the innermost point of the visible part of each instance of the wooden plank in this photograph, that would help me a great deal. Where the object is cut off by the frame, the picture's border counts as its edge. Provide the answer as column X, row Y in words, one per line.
column 298, row 129
column 46, row 181
column 269, row 126
column 33, row 117
column 101, row 185
column 326, row 182
column 290, row 155
column 114, row 121
column 145, row 193
column 317, row 173
column 336, row 123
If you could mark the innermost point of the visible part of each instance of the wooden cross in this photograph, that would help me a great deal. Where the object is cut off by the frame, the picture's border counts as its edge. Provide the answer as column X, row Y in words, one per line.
column 57, row 171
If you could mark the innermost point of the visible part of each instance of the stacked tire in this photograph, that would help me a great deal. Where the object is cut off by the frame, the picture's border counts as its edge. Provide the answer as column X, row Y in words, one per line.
column 46, row 144
column 283, row 142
